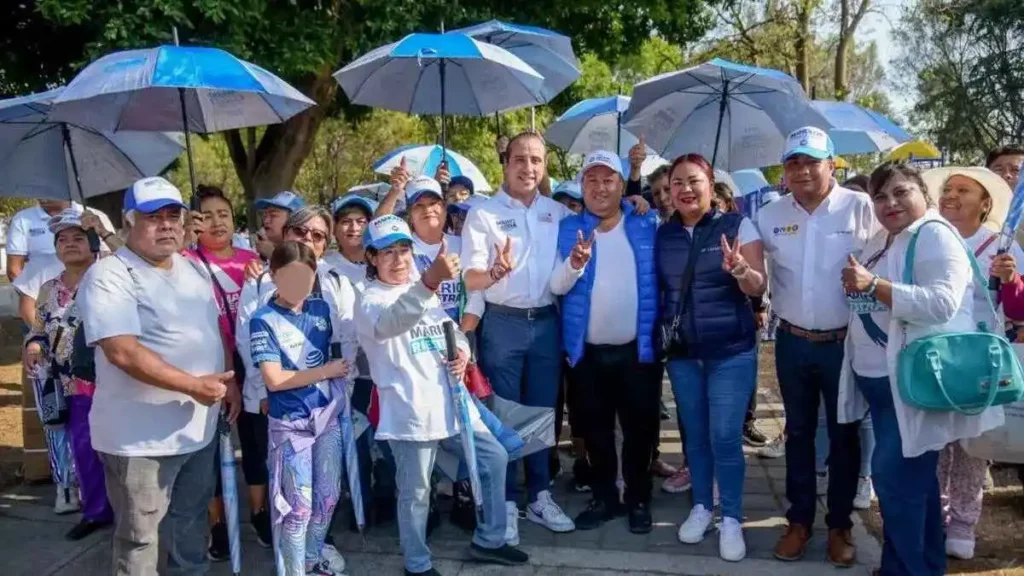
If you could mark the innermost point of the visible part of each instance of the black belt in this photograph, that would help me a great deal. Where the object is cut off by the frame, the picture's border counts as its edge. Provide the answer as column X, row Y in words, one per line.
column 529, row 313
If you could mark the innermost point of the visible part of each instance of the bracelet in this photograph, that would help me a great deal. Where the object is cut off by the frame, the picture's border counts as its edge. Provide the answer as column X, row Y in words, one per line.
column 873, row 286
column 429, row 287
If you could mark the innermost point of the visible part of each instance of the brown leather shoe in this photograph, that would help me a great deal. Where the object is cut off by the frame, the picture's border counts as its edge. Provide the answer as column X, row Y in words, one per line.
column 793, row 543
column 841, row 551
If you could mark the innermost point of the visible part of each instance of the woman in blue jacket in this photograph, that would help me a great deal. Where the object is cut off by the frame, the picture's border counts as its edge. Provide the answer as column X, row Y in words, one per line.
column 709, row 263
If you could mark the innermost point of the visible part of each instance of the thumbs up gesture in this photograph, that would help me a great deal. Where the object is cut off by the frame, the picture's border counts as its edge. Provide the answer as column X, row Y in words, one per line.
column 580, row 254
column 502, row 264
column 400, row 176
column 856, row 278
column 444, row 267
column 637, row 155
column 732, row 261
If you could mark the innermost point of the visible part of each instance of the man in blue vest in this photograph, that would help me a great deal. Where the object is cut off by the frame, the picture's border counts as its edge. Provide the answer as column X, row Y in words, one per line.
column 606, row 274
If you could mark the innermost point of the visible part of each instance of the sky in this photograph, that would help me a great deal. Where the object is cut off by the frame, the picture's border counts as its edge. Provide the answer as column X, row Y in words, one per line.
column 878, row 26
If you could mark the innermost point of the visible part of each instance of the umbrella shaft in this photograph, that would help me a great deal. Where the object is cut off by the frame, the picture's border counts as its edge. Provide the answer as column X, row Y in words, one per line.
column 188, row 141
column 721, row 116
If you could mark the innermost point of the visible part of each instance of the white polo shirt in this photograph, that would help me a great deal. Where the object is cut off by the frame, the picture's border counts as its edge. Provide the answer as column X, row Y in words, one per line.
column 534, row 233
column 806, row 254
column 29, row 234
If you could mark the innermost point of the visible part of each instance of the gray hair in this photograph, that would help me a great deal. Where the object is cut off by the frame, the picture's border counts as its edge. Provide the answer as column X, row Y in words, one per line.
column 300, row 217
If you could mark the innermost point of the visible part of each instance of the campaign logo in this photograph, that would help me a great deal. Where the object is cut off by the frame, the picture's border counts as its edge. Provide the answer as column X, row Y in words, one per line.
column 426, row 339
column 787, row 230
column 506, row 225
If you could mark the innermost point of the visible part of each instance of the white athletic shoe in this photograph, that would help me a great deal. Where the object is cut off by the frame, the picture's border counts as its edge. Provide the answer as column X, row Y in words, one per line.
column 962, row 549
column 865, row 494
column 731, row 546
column 696, row 526
column 546, row 513
column 511, row 524
column 66, row 501
column 334, row 560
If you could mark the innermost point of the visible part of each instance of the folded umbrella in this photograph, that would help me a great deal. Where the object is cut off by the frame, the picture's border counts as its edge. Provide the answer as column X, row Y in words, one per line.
column 460, row 400
column 348, row 443
column 229, row 485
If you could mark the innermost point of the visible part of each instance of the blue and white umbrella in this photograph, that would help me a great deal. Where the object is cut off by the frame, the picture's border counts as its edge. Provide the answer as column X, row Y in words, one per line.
column 61, row 161
column 749, row 181
column 441, row 74
column 424, row 159
column 593, row 124
column 548, row 52
column 856, row 130
column 735, row 115
column 176, row 89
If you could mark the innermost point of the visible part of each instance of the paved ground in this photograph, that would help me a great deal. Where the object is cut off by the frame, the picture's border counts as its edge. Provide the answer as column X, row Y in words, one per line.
column 31, row 540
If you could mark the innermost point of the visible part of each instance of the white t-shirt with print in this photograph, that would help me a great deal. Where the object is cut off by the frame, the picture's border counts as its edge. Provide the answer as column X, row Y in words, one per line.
column 869, row 328
column 173, row 314
column 354, row 271
column 412, row 385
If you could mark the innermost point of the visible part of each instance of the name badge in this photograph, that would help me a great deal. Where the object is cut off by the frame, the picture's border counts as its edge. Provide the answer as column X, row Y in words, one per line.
column 507, row 225
column 546, row 218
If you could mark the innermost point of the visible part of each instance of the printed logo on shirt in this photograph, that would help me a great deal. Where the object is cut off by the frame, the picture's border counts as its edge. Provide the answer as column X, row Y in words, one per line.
column 547, row 218
column 841, row 233
column 506, row 225
column 314, row 358
column 788, row 230
column 36, row 231
column 426, row 339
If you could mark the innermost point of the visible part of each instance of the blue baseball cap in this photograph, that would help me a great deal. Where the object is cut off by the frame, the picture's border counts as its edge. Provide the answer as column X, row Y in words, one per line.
column 289, row 201
column 151, row 194
column 463, row 181
column 385, row 231
column 809, row 141
column 570, row 189
column 419, row 186
column 474, row 200
column 353, row 200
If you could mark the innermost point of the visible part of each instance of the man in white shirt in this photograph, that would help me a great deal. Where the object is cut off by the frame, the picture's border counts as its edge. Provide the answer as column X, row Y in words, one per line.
column 509, row 251
column 609, row 309
column 160, row 380
column 807, row 237
column 29, row 238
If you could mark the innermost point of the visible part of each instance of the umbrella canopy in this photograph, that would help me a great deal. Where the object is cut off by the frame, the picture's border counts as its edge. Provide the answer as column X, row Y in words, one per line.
column 375, row 191
column 441, row 74
column 547, row 52
column 43, row 159
column 146, row 90
column 735, row 115
column 593, row 124
column 651, row 163
column 856, row 130
column 748, row 181
column 424, row 159
column 916, row 150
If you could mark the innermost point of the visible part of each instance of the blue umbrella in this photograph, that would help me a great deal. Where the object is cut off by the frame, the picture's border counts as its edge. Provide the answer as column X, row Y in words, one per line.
column 593, row 124
column 738, row 116
column 424, row 159
column 229, row 494
column 856, row 130
column 40, row 158
column 749, row 181
column 177, row 89
column 348, row 443
column 441, row 74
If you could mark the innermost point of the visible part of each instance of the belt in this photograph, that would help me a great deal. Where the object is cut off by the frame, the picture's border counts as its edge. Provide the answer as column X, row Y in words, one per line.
column 818, row 336
column 529, row 313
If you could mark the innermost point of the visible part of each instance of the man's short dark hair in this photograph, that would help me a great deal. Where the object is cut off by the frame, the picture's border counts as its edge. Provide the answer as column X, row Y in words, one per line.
column 1008, row 150
column 523, row 136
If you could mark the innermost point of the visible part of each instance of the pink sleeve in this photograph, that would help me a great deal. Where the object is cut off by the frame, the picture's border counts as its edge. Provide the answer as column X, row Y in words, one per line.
column 1011, row 294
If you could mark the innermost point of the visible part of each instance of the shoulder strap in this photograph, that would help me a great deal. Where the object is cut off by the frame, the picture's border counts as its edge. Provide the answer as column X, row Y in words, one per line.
column 221, row 293
column 984, row 245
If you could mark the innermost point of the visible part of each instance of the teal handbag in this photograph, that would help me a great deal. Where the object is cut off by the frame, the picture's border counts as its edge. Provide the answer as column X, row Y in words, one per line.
column 965, row 372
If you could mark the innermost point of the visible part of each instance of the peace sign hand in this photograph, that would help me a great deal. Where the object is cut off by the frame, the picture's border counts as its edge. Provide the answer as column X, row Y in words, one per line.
column 502, row 261
column 732, row 261
column 581, row 251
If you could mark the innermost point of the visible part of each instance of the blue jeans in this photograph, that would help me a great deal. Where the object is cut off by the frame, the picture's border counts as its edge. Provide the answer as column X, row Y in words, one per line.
column 383, row 470
column 914, row 540
column 711, row 400
column 415, row 461
column 867, row 443
column 808, row 371
column 522, row 358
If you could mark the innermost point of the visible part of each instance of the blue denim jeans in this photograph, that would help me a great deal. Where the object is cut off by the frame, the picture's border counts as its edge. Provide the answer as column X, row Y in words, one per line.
column 711, row 399
column 867, row 443
column 383, row 470
column 415, row 461
column 522, row 358
column 914, row 540
column 808, row 371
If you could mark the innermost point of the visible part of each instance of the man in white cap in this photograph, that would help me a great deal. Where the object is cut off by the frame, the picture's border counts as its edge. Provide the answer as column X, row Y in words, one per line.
column 807, row 237
column 160, row 380
column 609, row 311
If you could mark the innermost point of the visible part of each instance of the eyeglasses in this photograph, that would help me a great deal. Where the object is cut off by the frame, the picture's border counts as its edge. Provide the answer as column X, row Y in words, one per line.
column 316, row 235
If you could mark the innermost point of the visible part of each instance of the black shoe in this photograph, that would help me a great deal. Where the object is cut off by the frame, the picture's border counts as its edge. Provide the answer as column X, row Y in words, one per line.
column 219, row 550
column 463, row 508
column 430, row 572
column 506, row 555
column 85, row 528
column 752, row 436
column 640, row 519
column 596, row 514
column 261, row 525
column 581, row 475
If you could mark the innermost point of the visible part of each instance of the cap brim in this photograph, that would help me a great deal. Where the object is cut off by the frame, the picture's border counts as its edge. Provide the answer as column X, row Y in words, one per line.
column 382, row 243
column 360, row 202
column 803, row 151
column 58, row 228
column 158, row 204
column 617, row 170
column 555, row 195
column 412, row 198
column 269, row 203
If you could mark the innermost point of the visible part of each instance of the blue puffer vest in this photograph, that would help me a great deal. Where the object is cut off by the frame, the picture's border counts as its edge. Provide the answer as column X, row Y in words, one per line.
column 640, row 230
column 716, row 321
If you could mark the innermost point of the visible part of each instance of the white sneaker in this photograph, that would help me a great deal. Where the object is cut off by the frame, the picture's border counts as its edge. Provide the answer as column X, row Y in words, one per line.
column 546, row 513
column 696, row 526
column 865, row 494
column 775, row 449
column 511, row 524
column 731, row 546
column 962, row 549
column 66, row 501
column 334, row 560
column 822, row 483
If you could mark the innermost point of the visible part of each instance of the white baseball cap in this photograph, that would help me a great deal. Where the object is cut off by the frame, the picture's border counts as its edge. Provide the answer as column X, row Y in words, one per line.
column 151, row 194
column 68, row 218
column 419, row 186
column 385, row 231
column 809, row 141
column 602, row 158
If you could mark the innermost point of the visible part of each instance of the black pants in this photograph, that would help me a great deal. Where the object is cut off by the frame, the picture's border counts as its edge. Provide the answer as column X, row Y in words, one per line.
column 613, row 382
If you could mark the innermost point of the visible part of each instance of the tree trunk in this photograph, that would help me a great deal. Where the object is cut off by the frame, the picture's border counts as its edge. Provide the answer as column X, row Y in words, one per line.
column 271, row 166
column 804, row 41
column 848, row 21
